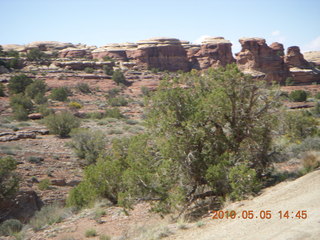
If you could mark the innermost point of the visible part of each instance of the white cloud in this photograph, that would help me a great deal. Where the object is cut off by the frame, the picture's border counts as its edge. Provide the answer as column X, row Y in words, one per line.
column 277, row 36
column 200, row 39
column 275, row 33
column 314, row 45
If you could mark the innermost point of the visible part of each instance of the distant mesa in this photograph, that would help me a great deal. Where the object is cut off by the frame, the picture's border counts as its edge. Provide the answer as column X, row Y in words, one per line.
column 264, row 61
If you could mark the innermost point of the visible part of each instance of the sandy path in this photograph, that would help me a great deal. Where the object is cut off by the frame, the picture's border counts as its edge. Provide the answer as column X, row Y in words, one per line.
column 301, row 194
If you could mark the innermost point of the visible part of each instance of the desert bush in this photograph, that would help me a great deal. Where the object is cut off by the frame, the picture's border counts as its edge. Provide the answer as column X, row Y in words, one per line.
column 2, row 88
column 34, row 159
column 21, row 106
column 36, row 54
column 83, row 87
column 104, row 237
column 75, row 105
column 89, row 70
column 44, row 110
column 48, row 215
column 60, row 94
column 62, row 123
column 119, row 78
column 298, row 95
column 87, row 144
column 311, row 161
column 9, row 181
column 18, row 83
column 15, row 63
column 199, row 142
column 44, row 184
column 40, row 98
column 9, row 227
column 107, row 58
column 113, row 113
column 91, row 233
column 35, row 88
column 145, row 91
column 113, row 92
column 118, row 101
column 108, row 70
column 289, row 81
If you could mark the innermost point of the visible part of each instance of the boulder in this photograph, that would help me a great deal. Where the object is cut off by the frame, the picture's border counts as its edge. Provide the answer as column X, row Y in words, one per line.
column 259, row 59
column 35, row 116
column 213, row 52
column 21, row 207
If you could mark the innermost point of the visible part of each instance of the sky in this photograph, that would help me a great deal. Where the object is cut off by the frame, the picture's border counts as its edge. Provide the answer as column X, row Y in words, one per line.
column 100, row 22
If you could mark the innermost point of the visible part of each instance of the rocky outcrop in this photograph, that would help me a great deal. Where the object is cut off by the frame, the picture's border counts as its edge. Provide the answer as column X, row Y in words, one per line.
column 161, row 53
column 21, row 207
column 14, row 136
column 260, row 60
column 81, row 65
column 213, row 52
column 75, row 53
column 294, row 58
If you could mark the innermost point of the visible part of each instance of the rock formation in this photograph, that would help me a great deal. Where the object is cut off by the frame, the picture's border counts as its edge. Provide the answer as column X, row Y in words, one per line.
column 213, row 52
column 294, row 58
column 260, row 60
column 313, row 57
column 74, row 53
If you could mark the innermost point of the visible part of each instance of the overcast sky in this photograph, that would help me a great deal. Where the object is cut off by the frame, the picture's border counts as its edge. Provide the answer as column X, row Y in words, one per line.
column 99, row 22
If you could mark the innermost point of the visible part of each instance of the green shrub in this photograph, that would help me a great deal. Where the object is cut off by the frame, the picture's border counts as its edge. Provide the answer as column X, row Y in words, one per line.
column 62, row 123
column 113, row 113
column 104, row 237
column 12, row 53
column 88, row 145
column 36, row 54
column 289, row 81
column 21, row 106
column 35, row 88
column 145, row 91
column 317, row 95
column 44, row 110
column 118, row 101
column 83, row 87
column 75, row 105
column 60, row 94
column 107, row 58
column 113, row 92
column 91, row 233
column 298, row 95
column 2, row 90
column 40, row 98
column 18, row 83
column 108, row 70
column 48, row 215
column 34, row 159
column 119, row 78
column 44, row 184
column 9, row 182
column 9, row 227
column 89, row 70
column 15, row 63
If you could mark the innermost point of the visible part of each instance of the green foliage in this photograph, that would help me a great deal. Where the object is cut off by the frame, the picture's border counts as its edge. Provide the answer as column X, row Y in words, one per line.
column 48, row 215
column 119, row 78
column 91, row 233
column 60, row 94
column 298, row 95
column 113, row 92
column 289, row 81
column 15, row 63
column 44, row 184
column 40, row 98
column 12, row 53
column 300, row 124
column 21, row 106
column 36, row 88
column 2, row 88
column 83, row 87
column 88, row 145
column 145, row 91
column 104, row 237
column 107, row 58
column 113, row 113
column 62, row 123
column 44, row 110
column 118, row 101
column 9, row 182
column 36, row 54
column 89, row 70
column 34, row 159
column 9, row 227
column 18, row 83
column 317, row 95
column 200, row 141
column 108, row 70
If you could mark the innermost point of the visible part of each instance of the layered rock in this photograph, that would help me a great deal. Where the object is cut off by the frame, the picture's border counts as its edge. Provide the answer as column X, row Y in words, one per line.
column 313, row 57
column 260, row 60
column 300, row 69
column 115, row 51
column 213, row 52
column 160, row 53
column 74, row 53
column 81, row 65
